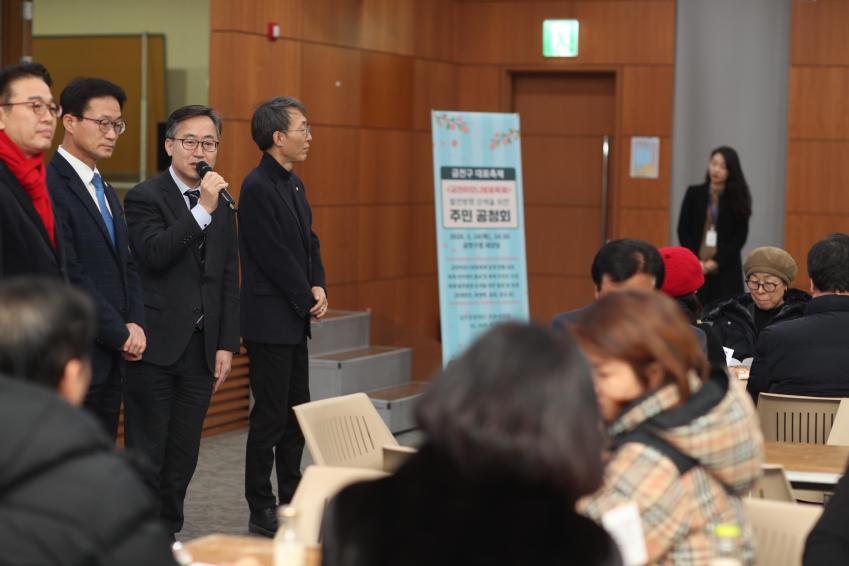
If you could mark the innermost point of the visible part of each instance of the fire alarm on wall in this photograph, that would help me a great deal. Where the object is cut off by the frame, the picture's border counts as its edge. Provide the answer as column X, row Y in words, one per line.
column 273, row 31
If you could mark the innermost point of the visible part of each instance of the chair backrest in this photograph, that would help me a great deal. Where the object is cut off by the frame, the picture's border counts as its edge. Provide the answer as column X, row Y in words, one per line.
column 794, row 418
column 773, row 484
column 395, row 456
column 839, row 435
column 344, row 431
column 317, row 486
column 780, row 529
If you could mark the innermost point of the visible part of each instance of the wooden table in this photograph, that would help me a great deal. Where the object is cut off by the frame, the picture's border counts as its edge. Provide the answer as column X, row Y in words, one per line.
column 218, row 549
column 809, row 466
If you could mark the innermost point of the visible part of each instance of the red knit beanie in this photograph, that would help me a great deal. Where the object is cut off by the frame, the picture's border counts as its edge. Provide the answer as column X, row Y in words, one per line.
column 683, row 271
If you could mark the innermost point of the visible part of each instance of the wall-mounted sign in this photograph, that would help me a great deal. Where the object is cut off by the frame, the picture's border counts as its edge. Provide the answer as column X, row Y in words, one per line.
column 560, row 38
column 645, row 158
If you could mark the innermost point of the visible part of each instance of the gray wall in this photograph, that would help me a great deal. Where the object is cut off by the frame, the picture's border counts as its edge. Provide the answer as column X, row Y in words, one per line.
column 731, row 65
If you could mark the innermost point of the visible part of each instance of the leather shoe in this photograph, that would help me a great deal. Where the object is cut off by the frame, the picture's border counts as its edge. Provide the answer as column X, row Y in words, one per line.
column 263, row 522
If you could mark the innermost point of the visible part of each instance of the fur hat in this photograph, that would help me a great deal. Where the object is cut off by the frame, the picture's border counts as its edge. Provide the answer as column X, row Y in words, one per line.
column 683, row 271
column 774, row 261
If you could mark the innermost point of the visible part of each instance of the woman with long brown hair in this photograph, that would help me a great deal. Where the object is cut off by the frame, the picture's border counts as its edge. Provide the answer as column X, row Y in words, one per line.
column 684, row 441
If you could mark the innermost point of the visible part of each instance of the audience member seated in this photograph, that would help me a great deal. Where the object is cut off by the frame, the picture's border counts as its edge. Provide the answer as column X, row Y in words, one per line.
column 738, row 321
column 684, row 277
column 512, row 442
column 828, row 542
column 66, row 497
column 620, row 264
column 684, row 448
column 809, row 355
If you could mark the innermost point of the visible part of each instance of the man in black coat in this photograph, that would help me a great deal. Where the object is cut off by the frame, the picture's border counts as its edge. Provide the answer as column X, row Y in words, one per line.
column 66, row 497
column 283, row 286
column 185, row 244
column 808, row 355
column 95, row 237
column 30, row 237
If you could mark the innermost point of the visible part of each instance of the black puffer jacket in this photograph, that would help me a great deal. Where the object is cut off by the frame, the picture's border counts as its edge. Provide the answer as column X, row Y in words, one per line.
column 733, row 320
column 66, row 497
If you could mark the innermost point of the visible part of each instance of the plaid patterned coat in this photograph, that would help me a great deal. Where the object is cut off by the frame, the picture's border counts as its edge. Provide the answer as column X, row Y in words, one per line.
column 718, row 429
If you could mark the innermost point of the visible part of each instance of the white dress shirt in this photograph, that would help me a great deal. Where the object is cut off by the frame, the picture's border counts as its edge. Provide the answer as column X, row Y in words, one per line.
column 202, row 217
column 86, row 174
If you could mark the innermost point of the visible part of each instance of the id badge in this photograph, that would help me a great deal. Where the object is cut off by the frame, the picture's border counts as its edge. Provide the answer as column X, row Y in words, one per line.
column 710, row 238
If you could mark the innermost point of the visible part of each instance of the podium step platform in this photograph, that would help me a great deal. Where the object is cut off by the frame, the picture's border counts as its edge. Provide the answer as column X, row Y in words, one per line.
column 397, row 404
column 358, row 370
column 339, row 331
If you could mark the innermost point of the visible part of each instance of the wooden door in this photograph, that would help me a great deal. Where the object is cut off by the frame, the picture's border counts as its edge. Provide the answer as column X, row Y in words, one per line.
column 564, row 119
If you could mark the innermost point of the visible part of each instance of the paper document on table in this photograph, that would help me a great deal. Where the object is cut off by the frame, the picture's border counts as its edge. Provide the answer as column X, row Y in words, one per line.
column 624, row 525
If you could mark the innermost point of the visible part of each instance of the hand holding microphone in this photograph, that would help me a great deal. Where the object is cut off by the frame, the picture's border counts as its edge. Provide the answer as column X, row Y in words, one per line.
column 213, row 186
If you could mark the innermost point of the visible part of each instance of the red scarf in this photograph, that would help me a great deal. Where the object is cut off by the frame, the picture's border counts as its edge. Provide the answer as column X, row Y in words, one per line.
column 32, row 175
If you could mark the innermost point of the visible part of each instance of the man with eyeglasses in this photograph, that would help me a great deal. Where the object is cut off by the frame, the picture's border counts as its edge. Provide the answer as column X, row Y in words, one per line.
column 30, row 236
column 95, row 237
column 283, row 288
column 185, row 243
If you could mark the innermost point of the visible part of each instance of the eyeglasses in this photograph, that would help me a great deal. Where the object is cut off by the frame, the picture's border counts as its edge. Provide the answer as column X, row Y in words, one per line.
column 39, row 107
column 105, row 125
column 305, row 129
column 190, row 144
column 768, row 286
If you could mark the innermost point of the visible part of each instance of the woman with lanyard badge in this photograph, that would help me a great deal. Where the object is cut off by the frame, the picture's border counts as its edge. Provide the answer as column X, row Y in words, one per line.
column 714, row 223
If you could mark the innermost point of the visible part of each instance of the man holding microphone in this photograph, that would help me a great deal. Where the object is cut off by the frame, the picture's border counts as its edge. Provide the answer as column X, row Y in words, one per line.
column 184, row 239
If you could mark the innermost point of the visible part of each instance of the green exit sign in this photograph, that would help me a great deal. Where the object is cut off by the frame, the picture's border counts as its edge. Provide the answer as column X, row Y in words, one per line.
column 560, row 38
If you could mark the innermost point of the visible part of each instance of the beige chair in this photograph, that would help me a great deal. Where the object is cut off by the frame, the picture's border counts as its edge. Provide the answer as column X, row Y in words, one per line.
column 794, row 418
column 839, row 435
column 344, row 431
column 773, row 485
column 317, row 486
column 395, row 456
column 780, row 530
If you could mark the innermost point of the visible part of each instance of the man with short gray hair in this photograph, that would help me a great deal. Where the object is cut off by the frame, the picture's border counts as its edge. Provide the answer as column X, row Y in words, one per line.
column 283, row 288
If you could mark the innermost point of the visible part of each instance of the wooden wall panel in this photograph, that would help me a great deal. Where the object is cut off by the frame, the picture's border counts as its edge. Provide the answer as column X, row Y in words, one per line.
column 253, row 16
column 611, row 32
column 386, row 167
column 422, row 171
column 818, row 33
column 237, row 154
column 479, row 88
column 557, row 183
column 387, row 93
column 651, row 225
column 818, row 173
column 433, row 89
column 267, row 69
column 817, row 201
column 551, row 104
column 332, row 86
column 551, row 295
column 335, row 22
column 338, row 230
column 345, row 296
column 568, row 257
column 647, row 100
column 335, row 184
column 644, row 193
column 388, row 26
column 817, row 106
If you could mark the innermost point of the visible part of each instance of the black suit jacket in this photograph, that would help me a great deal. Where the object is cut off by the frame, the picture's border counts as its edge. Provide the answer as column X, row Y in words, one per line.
column 280, row 254
column 731, row 234
column 107, row 273
column 179, row 285
column 25, row 247
column 807, row 355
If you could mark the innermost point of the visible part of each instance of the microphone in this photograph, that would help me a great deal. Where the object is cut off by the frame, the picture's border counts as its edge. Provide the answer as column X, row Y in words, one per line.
column 203, row 168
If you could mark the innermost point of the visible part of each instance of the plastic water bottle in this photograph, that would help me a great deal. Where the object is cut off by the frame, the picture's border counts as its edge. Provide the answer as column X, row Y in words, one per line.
column 288, row 546
column 727, row 546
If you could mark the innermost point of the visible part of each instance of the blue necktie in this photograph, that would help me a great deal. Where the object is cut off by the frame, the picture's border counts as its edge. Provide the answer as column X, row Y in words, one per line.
column 100, row 192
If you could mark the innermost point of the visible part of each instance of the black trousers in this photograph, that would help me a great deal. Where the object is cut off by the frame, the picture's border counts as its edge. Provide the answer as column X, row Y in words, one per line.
column 279, row 378
column 164, row 408
column 103, row 399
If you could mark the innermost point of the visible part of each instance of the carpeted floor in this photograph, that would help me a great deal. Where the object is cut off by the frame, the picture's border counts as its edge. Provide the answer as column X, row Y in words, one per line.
column 215, row 502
